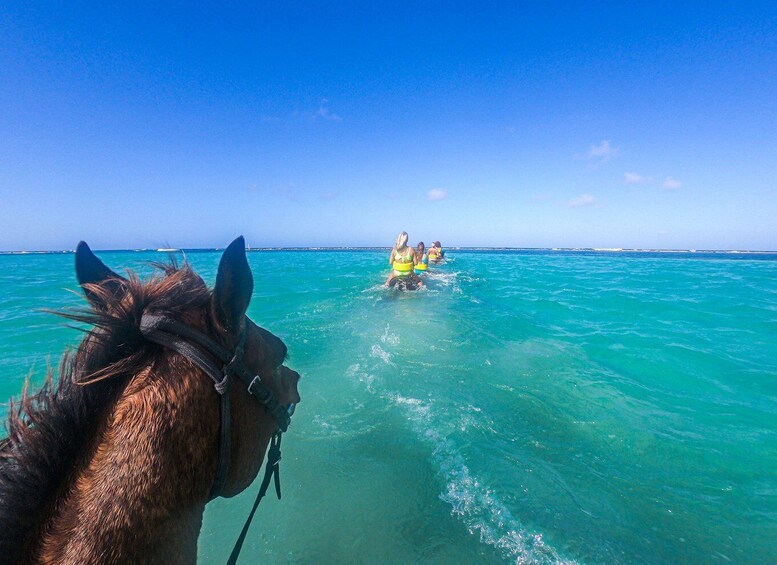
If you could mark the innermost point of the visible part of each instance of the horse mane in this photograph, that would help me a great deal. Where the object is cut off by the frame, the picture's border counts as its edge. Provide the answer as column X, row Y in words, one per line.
column 50, row 431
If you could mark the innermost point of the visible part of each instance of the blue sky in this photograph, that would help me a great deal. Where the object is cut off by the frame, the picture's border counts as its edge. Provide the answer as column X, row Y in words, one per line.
column 321, row 124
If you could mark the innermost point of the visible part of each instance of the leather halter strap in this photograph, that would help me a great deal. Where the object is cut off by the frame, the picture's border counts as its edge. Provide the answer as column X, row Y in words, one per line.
column 181, row 338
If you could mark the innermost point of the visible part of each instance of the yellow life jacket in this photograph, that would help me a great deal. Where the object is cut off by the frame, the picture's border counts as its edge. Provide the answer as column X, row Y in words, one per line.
column 403, row 263
column 422, row 264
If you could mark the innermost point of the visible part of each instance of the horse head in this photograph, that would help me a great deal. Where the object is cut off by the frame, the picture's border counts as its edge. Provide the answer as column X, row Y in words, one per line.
column 170, row 400
column 223, row 318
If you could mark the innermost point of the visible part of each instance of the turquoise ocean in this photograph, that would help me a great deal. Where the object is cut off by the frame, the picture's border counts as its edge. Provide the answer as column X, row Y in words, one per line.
column 526, row 407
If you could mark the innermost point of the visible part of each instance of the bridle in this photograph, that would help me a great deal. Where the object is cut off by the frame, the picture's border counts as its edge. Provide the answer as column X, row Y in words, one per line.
column 184, row 339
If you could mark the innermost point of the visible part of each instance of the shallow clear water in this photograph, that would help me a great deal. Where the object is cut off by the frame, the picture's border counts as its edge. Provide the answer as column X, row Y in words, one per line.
column 527, row 407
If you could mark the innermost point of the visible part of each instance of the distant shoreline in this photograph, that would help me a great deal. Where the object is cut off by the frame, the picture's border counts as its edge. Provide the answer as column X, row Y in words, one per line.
column 603, row 250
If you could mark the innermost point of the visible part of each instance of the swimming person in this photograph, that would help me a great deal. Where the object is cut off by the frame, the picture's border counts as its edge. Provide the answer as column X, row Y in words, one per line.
column 421, row 259
column 402, row 261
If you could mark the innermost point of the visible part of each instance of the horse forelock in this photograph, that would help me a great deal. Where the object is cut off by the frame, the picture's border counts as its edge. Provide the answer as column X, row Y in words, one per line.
column 116, row 345
column 49, row 430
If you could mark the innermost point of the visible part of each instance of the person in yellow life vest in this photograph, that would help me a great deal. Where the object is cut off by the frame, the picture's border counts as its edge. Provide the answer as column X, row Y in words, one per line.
column 421, row 259
column 436, row 253
column 402, row 261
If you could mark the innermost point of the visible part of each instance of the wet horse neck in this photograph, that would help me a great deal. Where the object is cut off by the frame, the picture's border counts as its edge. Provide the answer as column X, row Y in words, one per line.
column 142, row 494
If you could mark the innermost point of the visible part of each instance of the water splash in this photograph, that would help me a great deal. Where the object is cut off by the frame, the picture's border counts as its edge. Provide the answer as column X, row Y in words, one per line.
column 471, row 501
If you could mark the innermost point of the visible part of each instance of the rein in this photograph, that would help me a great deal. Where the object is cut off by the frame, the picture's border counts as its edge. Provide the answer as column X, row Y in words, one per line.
column 181, row 338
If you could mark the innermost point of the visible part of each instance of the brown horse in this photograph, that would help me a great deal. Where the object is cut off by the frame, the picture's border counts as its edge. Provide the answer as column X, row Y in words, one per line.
column 116, row 462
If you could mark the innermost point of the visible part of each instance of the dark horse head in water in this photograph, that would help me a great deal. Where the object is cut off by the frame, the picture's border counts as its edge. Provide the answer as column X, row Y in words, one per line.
column 116, row 461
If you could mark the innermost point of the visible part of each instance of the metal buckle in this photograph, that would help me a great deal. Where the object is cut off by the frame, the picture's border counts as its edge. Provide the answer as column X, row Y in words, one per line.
column 261, row 392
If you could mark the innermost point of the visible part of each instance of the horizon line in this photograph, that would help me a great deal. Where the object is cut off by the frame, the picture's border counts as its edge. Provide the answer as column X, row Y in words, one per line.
column 384, row 247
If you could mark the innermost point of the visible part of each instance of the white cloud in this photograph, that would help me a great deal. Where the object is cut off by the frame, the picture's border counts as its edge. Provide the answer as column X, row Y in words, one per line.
column 324, row 113
column 672, row 184
column 436, row 194
column 635, row 178
column 581, row 201
column 602, row 152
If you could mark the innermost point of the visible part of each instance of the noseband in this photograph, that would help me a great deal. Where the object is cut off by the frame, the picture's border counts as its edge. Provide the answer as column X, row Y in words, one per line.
column 181, row 338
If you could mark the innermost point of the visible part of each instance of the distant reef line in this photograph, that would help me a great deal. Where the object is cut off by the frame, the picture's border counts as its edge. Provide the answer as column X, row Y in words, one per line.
column 383, row 248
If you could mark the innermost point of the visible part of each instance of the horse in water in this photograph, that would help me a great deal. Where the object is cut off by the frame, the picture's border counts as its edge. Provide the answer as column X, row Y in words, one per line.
column 116, row 461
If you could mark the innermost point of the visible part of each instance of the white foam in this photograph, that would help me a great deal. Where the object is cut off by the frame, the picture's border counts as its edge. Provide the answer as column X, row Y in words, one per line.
column 389, row 338
column 325, row 428
column 473, row 502
column 368, row 380
column 381, row 354
column 375, row 288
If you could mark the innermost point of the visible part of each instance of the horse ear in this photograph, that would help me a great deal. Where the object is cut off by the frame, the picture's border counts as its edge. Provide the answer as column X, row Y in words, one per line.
column 234, row 286
column 90, row 270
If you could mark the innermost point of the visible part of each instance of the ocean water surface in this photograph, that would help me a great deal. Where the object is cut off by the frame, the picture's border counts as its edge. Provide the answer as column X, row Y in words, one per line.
column 526, row 407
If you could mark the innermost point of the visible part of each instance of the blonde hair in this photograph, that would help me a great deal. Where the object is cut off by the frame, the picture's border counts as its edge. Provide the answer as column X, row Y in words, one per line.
column 401, row 240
